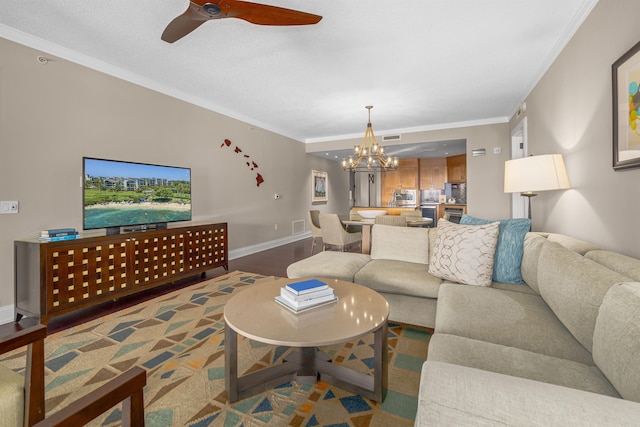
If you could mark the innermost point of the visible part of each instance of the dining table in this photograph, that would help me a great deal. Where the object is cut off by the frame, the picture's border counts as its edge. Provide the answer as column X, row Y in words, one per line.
column 368, row 223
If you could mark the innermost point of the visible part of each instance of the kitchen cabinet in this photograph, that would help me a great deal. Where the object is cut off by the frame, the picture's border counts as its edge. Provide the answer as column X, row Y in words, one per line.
column 433, row 173
column 457, row 168
column 406, row 176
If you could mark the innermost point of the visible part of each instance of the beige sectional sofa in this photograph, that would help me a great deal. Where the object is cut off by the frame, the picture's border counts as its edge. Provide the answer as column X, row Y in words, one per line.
column 397, row 268
column 561, row 349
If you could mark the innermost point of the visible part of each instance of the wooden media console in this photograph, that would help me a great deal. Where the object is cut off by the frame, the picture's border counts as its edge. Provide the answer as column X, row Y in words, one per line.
column 54, row 278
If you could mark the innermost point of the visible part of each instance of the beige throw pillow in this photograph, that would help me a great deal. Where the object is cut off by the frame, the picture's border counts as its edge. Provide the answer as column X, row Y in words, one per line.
column 464, row 253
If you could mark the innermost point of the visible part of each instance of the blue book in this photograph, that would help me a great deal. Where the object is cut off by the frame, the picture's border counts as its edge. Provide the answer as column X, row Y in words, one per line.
column 306, row 286
column 322, row 291
column 58, row 232
column 59, row 238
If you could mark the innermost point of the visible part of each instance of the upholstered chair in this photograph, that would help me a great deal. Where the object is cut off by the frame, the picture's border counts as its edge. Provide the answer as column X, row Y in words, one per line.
column 335, row 234
column 398, row 220
column 22, row 396
column 316, row 231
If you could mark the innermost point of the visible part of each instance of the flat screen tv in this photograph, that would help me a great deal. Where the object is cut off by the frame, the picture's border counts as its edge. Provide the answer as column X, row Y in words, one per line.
column 126, row 194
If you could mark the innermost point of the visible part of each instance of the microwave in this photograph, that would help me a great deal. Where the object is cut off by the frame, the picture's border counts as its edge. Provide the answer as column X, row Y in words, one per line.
column 404, row 197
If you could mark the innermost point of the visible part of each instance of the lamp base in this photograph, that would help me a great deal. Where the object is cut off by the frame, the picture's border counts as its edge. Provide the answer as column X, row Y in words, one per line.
column 529, row 195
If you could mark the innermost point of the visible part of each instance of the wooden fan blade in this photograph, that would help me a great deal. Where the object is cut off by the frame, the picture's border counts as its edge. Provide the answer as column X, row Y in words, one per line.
column 262, row 14
column 200, row 11
column 183, row 24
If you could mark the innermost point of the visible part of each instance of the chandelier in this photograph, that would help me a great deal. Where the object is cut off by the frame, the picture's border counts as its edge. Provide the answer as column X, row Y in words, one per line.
column 369, row 156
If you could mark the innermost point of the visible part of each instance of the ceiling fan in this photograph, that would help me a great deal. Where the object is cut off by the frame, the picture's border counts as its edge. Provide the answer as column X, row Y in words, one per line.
column 200, row 11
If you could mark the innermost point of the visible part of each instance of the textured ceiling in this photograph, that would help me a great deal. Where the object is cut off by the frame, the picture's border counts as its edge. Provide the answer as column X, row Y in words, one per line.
column 421, row 63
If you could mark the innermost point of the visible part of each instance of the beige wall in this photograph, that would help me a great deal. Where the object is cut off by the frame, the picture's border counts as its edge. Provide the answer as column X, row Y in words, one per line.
column 485, row 174
column 52, row 115
column 570, row 112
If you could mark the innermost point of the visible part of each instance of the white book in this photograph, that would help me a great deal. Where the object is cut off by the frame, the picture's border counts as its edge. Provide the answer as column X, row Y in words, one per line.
column 298, row 306
column 286, row 293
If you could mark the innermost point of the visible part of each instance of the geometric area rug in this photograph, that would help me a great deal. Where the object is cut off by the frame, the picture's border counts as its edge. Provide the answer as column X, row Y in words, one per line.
column 178, row 338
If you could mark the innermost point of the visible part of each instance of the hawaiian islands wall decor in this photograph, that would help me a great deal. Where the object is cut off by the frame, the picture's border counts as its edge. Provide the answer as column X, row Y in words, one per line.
column 249, row 163
column 626, row 110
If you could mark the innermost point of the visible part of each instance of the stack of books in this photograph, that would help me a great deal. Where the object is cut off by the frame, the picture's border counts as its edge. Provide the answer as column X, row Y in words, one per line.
column 57, row 234
column 305, row 295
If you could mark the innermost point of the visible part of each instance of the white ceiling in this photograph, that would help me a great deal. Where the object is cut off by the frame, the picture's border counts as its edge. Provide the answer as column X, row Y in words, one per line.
column 421, row 63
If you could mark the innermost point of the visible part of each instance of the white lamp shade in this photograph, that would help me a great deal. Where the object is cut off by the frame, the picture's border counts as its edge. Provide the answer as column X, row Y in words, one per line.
column 535, row 173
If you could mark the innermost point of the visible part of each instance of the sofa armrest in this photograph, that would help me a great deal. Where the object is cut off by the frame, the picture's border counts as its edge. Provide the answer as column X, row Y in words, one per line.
column 458, row 395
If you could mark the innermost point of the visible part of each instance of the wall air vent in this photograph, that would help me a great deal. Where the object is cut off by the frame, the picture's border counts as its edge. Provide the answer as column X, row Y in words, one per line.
column 391, row 138
column 297, row 227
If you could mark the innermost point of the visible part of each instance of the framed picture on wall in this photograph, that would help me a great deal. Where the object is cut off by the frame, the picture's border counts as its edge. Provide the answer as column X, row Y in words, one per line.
column 626, row 110
column 319, row 184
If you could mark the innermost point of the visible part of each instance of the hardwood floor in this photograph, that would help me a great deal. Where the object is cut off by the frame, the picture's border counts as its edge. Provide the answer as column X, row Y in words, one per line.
column 272, row 262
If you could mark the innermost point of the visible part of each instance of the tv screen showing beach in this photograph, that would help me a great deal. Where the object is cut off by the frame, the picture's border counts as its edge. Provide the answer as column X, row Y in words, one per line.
column 120, row 193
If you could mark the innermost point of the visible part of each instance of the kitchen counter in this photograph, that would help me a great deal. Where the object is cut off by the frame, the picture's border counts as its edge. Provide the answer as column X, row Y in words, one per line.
column 390, row 210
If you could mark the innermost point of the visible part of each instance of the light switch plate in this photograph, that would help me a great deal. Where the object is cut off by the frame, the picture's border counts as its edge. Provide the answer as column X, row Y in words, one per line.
column 8, row 207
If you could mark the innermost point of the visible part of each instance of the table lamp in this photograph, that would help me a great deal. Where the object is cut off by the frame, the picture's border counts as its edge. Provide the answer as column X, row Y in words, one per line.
column 527, row 175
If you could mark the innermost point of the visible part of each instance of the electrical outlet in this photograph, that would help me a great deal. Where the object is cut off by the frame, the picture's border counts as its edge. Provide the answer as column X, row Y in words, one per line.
column 9, row 207
column 276, row 227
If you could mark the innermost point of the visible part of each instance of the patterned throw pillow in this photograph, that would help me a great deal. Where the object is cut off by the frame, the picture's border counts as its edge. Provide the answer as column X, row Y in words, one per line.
column 510, row 247
column 464, row 253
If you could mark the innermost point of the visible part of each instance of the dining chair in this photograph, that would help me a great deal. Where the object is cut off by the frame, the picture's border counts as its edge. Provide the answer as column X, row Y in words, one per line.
column 354, row 215
column 411, row 215
column 316, row 231
column 398, row 220
column 22, row 396
column 335, row 234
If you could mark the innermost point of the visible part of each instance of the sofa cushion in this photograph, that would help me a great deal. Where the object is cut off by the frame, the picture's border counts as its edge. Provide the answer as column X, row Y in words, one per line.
column 398, row 277
column 509, row 249
column 400, row 243
column 464, row 253
column 515, row 287
column 576, row 245
column 517, row 362
column 411, row 310
column 616, row 339
column 513, row 319
column 329, row 264
column 622, row 264
column 452, row 395
column 533, row 243
column 574, row 287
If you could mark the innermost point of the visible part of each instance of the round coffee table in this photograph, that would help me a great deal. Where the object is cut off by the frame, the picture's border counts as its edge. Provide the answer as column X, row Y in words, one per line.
column 254, row 314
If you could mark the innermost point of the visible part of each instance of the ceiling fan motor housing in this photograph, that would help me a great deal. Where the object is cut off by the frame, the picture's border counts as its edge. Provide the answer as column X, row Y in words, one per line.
column 212, row 9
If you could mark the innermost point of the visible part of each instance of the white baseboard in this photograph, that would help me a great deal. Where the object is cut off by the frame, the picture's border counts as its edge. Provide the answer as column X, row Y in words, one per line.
column 249, row 250
column 7, row 313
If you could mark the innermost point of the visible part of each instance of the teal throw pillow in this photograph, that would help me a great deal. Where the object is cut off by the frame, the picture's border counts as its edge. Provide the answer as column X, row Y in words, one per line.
column 510, row 248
